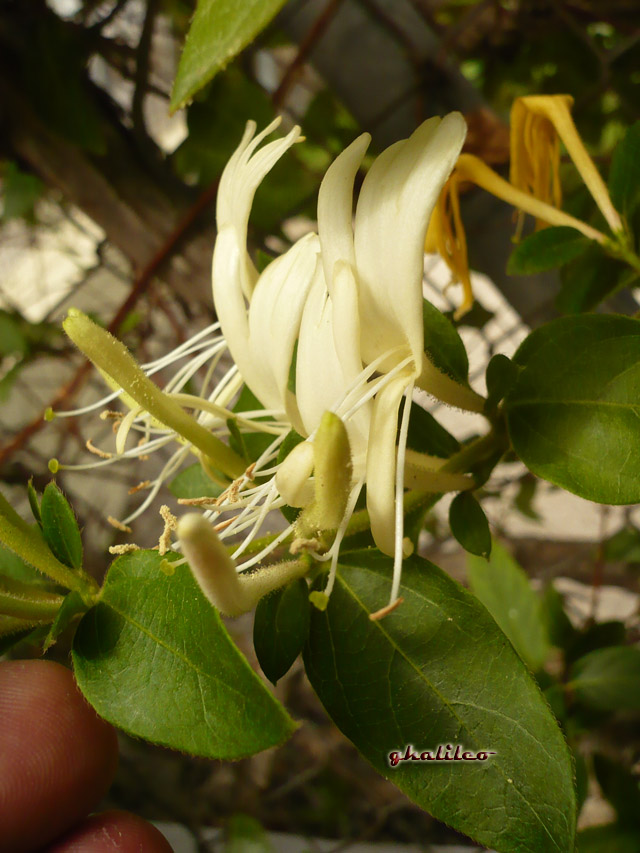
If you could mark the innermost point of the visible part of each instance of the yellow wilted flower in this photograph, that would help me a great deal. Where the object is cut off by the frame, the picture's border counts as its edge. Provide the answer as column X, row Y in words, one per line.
column 538, row 123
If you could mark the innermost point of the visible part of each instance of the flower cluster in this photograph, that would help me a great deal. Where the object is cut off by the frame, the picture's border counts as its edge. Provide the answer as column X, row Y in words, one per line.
column 340, row 313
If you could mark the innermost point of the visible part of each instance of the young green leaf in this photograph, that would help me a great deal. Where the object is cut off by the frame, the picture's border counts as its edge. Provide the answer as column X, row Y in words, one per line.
column 281, row 627
column 608, row 679
column 624, row 177
column 443, row 344
column 573, row 415
column 469, row 525
column 34, row 502
column 437, row 670
column 60, row 528
column 546, row 250
column 154, row 659
column 504, row 589
column 220, row 29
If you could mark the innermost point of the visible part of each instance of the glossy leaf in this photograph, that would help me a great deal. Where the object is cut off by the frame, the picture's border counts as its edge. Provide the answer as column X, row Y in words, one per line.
column 443, row 344
column 281, row 628
column 574, row 413
column 60, row 528
column 546, row 250
column 624, row 177
column 469, row 524
column 608, row 679
column 154, row 659
column 220, row 29
column 504, row 589
column 437, row 670
column 500, row 376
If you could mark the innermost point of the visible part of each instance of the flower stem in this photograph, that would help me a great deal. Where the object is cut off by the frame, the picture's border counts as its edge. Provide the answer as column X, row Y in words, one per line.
column 112, row 358
column 24, row 601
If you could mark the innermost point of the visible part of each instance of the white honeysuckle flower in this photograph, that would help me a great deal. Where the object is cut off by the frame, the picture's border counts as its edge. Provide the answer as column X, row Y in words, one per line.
column 344, row 307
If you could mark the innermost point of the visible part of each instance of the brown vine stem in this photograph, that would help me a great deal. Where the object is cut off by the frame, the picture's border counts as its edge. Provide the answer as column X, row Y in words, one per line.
column 306, row 46
column 138, row 288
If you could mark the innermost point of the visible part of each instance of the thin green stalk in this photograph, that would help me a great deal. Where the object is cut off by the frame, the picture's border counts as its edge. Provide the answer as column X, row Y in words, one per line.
column 27, row 602
column 114, row 360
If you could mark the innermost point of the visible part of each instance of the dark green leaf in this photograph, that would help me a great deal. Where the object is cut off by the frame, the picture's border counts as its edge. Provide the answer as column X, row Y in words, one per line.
column 610, row 838
column 11, row 639
column 60, row 528
column 438, row 671
column 20, row 192
column 469, row 524
column 590, row 279
column 220, row 29
column 608, row 679
column 624, row 177
column 574, row 413
column 476, row 318
column 192, row 482
column 504, row 589
column 500, row 376
column 154, row 659
column 620, row 788
column 443, row 344
column 546, row 250
column 70, row 609
column 582, row 778
column 426, row 435
column 281, row 628
column 523, row 500
column 560, row 631
column 596, row 636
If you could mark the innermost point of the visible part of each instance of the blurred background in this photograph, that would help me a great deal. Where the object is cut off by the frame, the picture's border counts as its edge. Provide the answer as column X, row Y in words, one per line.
column 107, row 204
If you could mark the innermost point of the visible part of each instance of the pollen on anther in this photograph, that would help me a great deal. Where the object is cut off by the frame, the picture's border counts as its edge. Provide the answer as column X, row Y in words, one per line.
column 118, row 524
column 103, row 454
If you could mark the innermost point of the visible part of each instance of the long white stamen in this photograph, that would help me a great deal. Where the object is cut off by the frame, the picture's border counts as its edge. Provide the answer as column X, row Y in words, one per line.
column 270, row 547
column 398, row 554
column 375, row 387
column 172, row 465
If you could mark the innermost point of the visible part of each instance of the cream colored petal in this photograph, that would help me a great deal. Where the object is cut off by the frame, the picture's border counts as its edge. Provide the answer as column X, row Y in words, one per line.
column 328, row 360
column 381, row 463
column 335, row 208
column 239, row 181
column 275, row 315
column 393, row 212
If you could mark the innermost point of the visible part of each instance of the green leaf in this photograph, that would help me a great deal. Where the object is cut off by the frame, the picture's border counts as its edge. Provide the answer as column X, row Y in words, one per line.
column 70, row 609
column 523, row 500
column 469, row 524
column 590, row 279
column 500, row 376
column 573, row 415
column 620, row 788
column 546, row 250
column 220, row 29
column 34, row 502
column 624, row 177
column 611, row 837
column 192, row 482
column 427, row 435
column 600, row 635
column 443, row 344
column 504, row 589
column 60, row 528
column 608, row 679
column 281, row 628
column 623, row 545
column 244, row 834
column 560, row 630
column 20, row 192
column 154, row 659
column 437, row 671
